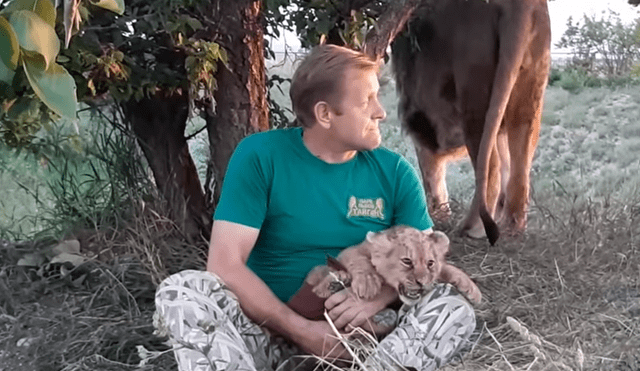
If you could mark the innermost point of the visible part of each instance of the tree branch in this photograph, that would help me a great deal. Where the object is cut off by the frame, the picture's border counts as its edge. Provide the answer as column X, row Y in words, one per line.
column 390, row 23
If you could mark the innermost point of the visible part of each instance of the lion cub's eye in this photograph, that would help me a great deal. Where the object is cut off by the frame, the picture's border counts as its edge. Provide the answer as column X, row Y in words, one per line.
column 407, row 262
column 431, row 264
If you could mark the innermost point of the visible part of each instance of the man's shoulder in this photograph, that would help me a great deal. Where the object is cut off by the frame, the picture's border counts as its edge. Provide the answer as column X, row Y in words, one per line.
column 267, row 144
column 271, row 138
column 385, row 152
column 386, row 156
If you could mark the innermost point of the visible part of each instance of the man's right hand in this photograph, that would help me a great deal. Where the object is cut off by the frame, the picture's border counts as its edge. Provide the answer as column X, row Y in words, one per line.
column 319, row 339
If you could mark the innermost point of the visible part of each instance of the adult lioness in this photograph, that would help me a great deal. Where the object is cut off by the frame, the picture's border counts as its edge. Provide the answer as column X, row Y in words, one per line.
column 407, row 259
column 470, row 75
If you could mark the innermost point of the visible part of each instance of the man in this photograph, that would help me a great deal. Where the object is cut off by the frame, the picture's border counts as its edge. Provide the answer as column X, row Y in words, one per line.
column 290, row 197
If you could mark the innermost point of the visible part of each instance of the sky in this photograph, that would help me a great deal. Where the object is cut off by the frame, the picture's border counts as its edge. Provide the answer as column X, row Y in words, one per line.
column 559, row 12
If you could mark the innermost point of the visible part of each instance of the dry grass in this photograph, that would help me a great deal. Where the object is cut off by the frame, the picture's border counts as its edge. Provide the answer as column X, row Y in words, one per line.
column 97, row 315
column 565, row 296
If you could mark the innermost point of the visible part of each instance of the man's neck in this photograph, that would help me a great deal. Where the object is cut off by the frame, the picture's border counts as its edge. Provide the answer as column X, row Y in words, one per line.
column 320, row 146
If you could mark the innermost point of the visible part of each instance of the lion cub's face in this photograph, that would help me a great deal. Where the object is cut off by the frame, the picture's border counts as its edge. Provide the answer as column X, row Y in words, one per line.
column 408, row 259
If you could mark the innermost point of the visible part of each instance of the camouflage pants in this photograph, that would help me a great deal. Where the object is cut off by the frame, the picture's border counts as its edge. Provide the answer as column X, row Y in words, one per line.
column 209, row 331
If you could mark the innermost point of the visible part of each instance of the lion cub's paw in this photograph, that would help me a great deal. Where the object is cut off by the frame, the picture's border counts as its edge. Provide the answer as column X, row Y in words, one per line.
column 472, row 292
column 461, row 281
column 468, row 288
column 366, row 285
column 331, row 283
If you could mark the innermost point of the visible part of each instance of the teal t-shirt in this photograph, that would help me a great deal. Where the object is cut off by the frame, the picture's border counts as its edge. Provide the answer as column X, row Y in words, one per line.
column 306, row 208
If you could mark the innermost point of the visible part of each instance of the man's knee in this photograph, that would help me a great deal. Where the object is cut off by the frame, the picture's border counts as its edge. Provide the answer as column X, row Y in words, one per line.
column 190, row 298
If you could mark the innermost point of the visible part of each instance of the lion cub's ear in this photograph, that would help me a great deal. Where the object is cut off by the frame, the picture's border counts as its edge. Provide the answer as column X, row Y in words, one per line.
column 379, row 243
column 377, row 237
column 371, row 236
column 440, row 242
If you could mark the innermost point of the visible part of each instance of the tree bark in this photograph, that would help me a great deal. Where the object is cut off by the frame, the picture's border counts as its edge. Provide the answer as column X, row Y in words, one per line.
column 159, row 123
column 241, row 100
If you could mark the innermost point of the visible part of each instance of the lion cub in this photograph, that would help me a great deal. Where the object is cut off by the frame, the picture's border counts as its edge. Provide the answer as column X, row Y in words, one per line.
column 409, row 260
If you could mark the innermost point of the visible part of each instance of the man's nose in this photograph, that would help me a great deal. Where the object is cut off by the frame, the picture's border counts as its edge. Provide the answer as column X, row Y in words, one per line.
column 381, row 114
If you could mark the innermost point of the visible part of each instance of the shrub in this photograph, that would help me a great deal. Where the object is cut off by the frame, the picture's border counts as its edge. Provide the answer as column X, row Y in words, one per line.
column 602, row 45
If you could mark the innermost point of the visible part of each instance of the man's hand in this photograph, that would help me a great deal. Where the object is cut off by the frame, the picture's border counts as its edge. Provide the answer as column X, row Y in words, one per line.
column 347, row 311
column 318, row 338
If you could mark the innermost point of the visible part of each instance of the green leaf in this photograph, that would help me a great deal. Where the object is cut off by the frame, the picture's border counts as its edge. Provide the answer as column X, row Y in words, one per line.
column 116, row 6
column 16, row 5
column 46, row 11
column 6, row 73
column 43, row 8
column 53, row 85
column 9, row 46
column 35, row 35
column 194, row 23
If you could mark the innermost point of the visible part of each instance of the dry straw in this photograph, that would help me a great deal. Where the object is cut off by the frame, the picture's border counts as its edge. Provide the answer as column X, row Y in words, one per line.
column 566, row 295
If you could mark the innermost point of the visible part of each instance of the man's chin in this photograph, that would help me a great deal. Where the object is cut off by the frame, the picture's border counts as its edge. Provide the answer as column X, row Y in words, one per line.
column 371, row 146
column 376, row 142
column 370, row 143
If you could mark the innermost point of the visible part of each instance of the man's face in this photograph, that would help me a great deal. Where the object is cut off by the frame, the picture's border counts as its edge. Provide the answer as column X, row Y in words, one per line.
column 356, row 127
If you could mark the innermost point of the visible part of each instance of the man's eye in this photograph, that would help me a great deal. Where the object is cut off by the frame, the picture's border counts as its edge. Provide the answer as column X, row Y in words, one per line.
column 407, row 262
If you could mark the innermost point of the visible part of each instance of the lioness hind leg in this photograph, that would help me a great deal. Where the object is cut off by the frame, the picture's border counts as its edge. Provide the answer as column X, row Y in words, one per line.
column 523, row 116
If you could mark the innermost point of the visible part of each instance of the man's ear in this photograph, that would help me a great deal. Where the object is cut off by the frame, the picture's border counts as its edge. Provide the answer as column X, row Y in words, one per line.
column 323, row 113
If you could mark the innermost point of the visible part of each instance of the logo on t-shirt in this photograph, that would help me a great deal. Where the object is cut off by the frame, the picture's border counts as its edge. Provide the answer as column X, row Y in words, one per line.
column 366, row 207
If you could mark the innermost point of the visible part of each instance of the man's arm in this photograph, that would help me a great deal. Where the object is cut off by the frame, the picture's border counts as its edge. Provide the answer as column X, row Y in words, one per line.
column 229, row 250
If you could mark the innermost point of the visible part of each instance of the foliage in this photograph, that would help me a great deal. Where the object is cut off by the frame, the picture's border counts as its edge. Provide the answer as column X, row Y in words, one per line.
column 588, row 143
column 90, row 181
column 36, row 89
column 280, row 116
column 334, row 21
column 123, row 55
column 575, row 80
column 602, row 45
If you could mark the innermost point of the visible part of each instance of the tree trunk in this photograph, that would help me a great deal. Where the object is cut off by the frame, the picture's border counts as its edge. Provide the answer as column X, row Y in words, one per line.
column 241, row 100
column 389, row 24
column 159, row 123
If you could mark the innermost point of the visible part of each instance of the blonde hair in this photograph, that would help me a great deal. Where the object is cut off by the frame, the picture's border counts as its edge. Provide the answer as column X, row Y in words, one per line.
column 320, row 78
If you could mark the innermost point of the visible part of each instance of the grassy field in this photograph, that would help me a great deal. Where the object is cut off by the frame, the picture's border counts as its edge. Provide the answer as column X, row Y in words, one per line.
column 565, row 296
